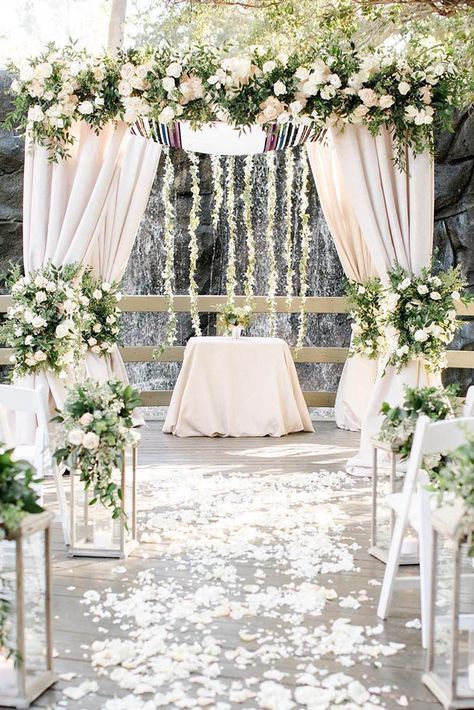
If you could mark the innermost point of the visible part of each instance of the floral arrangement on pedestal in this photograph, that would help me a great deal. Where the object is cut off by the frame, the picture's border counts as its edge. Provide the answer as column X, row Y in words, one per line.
column 96, row 426
column 44, row 325
column 328, row 85
column 399, row 423
column 102, row 317
column 365, row 300
column 420, row 315
column 18, row 497
column 231, row 316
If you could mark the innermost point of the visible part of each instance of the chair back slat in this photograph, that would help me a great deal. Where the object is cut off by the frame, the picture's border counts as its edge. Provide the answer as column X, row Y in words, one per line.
column 468, row 409
column 447, row 435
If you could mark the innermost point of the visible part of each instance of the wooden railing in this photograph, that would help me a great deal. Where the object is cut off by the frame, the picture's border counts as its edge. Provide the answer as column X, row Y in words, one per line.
column 208, row 304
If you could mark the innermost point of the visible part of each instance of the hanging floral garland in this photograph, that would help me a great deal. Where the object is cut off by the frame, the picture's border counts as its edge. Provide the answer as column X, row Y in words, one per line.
column 230, row 210
column 304, row 257
column 168, row 240
column 270, row 242
column 249, row 283
column 290, row 174
column 218, row 192
column 193, row 244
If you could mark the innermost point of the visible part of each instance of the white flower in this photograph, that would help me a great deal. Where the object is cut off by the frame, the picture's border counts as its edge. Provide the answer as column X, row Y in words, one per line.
column 86, row 419
column 69, row 306
column 166, row 115
column 96, row 349
column 296, row 107
column 302, row 73
column 421, row 335
column 110, row 319
column 97, row 294
column 386, row 101
column 40, row 356
column 269, row 66
column 43, row 70
column 361, row 290
column 368, row 97
column 168, row 83
column 328, row 92
column 422, row 289
column 404, row 284
column 92, row 342
column 174, row 69
column 125, row 88
column 435, row 296
column 403, row 350
column 28, row 340
column 38, row 322
column 283, row 58
column 75, row 437
column 40, row 297
column 436, row 281
column 62, row 330
column 106, row 287
column 335, row 81
column 404, row 87
column 85, row 107
column 40, row 281
column 97, row 327
column 35, row 113
column 455, row 295
column 279, row 88
column 90, row 441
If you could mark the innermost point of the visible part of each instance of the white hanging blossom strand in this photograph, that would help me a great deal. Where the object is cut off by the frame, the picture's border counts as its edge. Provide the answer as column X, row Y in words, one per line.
column 249, row 283
column 193, row 244
column 304, row 257
column 270, row 241
column 290, row 174
column 230, row 210
column 218, row 192
column 168, row 240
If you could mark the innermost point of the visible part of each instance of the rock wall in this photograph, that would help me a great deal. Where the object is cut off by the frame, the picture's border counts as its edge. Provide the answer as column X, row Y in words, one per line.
column 454, row 222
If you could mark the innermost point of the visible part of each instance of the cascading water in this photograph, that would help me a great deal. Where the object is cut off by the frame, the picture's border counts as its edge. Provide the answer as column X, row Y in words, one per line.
column 144, row 274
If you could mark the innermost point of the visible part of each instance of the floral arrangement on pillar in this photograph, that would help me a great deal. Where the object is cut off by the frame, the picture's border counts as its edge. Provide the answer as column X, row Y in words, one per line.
column 326, row 85
column 96, row 426
column 230, row 206
column 272, row 284
column 169, row 241
column 101, row 319
column 249, row 283
column 420, row 315
column 44, row 326
column 304, row 256
column 193, row 243
column 365, row 300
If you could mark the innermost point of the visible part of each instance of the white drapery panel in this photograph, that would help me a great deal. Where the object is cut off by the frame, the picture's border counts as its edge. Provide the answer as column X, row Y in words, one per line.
column 395, row 210
column 87, row 209
column 359, row 373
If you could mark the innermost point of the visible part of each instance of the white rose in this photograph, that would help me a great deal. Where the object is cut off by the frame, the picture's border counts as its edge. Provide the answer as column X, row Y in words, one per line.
column 168, row 83
column 106, row 286
column 110, row 320
column 96, row 349
column 302, row 73
column 455, row 295
column 75, row 437
column 90, row 441
column 97, row 294
column 84, row 300
column 335, row 81
column 166, row 115
column 386, row 101
column 404, row 284
column 69, row 306
column 125, row 88
column 361, row 290
column 368, row 97
column 28, row 340
column 50, row 287
column 435, row 296
column 174, row 69
column 403, row 350
column 421, row 335
column 38, row 322
column 404, row 87
column 40, row 297
column 97, row 328
column 40, row 281
column 43, row 70
column 40, row 356
column 35, row 114
column 436, row 281
column 92, row 342
column 422, row 289
column 269, row 66
column 85, row 107
column 86, row 419
column 279, row 88
column 296, row 107
column 328, row 92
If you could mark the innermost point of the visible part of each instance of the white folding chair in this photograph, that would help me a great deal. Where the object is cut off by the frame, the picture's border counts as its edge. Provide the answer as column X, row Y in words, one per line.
column 468, row 409
column 413, row 507
column 22, row 399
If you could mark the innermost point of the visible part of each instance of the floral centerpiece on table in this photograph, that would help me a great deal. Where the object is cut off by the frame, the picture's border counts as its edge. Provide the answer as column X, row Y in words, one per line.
column 365, row 310
column 44, row 324
column 420, row 315
column 231, row 316
column 102, row 317
column 456, row 478
column 18, row 497
column 96, row 427
column 399, row 423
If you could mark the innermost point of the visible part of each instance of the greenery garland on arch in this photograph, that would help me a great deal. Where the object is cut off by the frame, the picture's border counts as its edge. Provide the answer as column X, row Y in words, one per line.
column 231, row 280
column 330, row 84
column 272, row 283
column 193, row 243
column 249, row 283
column 304, row 256
column 169, row 244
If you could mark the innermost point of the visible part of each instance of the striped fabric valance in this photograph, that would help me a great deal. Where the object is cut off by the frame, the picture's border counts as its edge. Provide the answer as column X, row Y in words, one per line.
column 221, row 139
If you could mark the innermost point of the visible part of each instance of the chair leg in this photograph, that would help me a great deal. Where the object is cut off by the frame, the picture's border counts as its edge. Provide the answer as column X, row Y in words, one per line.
column 391, row 569
column 426, row 571
column 63, row 506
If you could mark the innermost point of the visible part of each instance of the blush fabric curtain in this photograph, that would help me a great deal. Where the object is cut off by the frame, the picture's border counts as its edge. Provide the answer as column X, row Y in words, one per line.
column 395, row 211
column 87, row 209
column 359, row 373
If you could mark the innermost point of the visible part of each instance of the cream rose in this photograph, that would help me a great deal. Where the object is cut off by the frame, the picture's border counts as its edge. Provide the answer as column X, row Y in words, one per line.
column 90, row 441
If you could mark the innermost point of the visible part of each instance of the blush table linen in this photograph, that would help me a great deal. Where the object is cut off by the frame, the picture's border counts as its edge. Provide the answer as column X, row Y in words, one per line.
column 242, row 387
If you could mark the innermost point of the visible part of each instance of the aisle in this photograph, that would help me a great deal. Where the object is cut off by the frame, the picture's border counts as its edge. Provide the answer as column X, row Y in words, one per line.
column 252, row 589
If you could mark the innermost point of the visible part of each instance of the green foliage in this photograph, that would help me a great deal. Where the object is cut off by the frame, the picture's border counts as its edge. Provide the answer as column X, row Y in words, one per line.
column 367, row 327
column 96, row 426
column 399, row 423
column 231, row 315
column 102, row 313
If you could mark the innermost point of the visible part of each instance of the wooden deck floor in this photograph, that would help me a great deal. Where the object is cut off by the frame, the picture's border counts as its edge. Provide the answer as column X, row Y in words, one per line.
column 300, row 454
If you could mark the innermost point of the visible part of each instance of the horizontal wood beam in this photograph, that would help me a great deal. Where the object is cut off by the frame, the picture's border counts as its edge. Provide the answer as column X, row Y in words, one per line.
column 210, row 304
column 155, row 398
